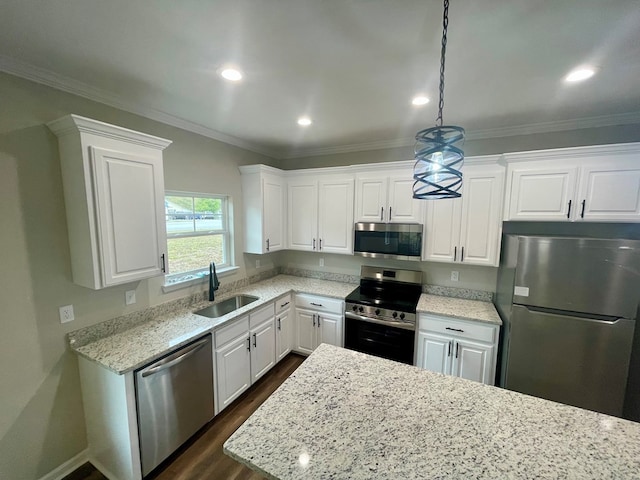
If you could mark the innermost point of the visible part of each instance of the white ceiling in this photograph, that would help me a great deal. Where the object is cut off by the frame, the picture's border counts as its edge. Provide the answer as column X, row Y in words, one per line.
column 351, row 65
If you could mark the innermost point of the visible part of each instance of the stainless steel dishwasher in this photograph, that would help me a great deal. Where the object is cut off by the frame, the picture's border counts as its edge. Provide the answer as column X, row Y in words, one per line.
column 174, row 399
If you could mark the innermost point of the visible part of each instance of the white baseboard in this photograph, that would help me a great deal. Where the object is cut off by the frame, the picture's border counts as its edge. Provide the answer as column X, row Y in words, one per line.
column 67, row 467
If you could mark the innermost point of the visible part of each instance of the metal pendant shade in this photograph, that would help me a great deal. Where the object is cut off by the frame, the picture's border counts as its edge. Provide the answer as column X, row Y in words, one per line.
column 437, row 172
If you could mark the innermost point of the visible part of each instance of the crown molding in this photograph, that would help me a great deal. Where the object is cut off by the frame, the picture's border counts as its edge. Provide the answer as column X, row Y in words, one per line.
column 69, row 85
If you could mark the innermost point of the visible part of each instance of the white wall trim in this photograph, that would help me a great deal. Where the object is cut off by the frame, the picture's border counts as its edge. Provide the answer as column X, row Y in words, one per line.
column 67, row 467
column 66, row 84
column 69, row 85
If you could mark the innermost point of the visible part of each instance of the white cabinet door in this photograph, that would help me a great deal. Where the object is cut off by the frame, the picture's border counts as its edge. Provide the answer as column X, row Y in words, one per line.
column 305, row 331
column 403, row 208
column 335, row 216
column 263, row 349
column 233, row 370
column 442, row 231
column 609, row 191
column 480, row 224
column 284, row 331
column 303, row 214
column 371, row 198
column 129, row 197
column 473, row 361
column 542, row 192
column 273, row 212
column 434, row 352
column 329, row 329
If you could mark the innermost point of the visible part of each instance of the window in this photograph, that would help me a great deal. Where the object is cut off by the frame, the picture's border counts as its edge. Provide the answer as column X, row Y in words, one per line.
column 197, row 234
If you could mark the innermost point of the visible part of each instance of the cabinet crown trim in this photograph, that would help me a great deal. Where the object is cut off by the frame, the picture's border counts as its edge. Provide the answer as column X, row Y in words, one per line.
column 573, row 152
column 70, row 124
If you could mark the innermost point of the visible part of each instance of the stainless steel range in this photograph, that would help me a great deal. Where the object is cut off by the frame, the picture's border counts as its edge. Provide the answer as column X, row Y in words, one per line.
column 380, row 315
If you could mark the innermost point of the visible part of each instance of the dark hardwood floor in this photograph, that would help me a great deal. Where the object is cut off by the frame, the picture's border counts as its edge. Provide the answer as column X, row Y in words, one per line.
column 202, row 456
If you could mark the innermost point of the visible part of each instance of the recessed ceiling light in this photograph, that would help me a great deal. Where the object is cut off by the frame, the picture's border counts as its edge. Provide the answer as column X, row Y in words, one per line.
column 580, row 74
column 304, row 121
column 231, row 74
column 420, row 100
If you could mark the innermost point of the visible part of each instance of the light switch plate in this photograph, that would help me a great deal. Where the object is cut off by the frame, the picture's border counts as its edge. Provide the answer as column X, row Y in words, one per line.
column 322, row 262
column 66, row 314
column 130, row 297
column 455, row 276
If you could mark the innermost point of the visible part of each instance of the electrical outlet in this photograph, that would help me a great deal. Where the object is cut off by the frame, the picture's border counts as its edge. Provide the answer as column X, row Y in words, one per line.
column 130, row 297
column 257, row 263
column 455, row 276
column 322, row 262
column 66, row 314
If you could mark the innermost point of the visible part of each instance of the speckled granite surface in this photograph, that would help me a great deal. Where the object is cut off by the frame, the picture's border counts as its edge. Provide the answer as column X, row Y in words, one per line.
column 153, row 336
column 346, row 415
column 458, row 292
column 459, row 308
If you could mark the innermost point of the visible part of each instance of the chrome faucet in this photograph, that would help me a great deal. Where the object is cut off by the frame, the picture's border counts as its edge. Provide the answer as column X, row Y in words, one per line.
column 214, row 283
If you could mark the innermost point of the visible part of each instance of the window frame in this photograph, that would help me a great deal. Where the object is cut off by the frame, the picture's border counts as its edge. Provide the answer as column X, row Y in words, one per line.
column 186, row 278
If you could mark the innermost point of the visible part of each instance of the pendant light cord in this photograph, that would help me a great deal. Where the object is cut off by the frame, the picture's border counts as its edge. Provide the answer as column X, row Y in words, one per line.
column 445, row 24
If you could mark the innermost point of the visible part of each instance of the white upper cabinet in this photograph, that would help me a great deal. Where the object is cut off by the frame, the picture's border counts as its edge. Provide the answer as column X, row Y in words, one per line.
column 321, row 214
column 600, row 183
column 467, row 229
column 114, row 195
column 387, row 197
column 263, row 193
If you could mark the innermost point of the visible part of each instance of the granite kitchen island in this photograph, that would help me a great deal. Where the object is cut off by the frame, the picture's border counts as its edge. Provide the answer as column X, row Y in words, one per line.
column 346, row 415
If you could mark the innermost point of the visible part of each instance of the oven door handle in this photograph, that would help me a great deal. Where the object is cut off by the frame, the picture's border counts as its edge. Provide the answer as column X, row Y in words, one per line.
column 406, row 326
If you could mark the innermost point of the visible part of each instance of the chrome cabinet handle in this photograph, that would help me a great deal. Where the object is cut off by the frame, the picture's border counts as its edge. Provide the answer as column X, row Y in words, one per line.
column 457, row 349
column 320, row 245
column 314, row 319
column 164, row 269
column 314, row 243
column 381, row 214
column 249, row 343
column 462, row 254
column 316, row 304
column 267, row 244
column 583, row 205
column 389, row 213
column 454, row 329
column 569, row 211
column 255, row 340
column 284, row 304
column 279, row 324
column 449, row 351
column 170, row 362
column 318, row 321
column 455, row 253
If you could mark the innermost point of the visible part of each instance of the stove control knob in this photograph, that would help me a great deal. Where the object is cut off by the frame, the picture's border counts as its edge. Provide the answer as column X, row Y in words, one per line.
column 361, row 309
column 354, row 308
column 402, row 316
column 394, row 314
column 377, row 311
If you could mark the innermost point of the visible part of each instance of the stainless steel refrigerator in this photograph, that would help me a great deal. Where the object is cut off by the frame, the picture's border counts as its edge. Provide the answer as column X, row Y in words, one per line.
column 569, row 308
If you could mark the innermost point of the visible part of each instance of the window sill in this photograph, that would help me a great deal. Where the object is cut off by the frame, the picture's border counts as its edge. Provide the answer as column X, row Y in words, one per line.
column 196, row 279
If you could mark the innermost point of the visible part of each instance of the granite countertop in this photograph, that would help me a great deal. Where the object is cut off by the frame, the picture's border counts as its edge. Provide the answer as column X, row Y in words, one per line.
column 347, row 415
column 133, row 348
column 459, row 308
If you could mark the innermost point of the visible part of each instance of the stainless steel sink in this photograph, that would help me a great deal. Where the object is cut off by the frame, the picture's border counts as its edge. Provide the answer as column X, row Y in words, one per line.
column 227, row 306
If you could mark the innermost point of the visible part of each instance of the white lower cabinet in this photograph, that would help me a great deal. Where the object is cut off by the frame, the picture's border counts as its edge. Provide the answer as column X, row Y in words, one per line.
column 245, row 350
column 284, row 327
column 463, row 348
column 318, row 320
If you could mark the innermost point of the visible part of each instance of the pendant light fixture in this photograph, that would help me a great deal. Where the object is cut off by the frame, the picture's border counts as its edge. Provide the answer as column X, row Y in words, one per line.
column 437, row 171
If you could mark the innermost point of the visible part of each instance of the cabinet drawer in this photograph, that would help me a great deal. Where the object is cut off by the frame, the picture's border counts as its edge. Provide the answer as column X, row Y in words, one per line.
column 320, row 304
column 260, row 316
column 458, row 328
column 283, row 303
column 232, row 331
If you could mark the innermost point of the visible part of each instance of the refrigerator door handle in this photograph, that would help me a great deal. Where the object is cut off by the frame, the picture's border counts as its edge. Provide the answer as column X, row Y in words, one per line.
column 590, row 317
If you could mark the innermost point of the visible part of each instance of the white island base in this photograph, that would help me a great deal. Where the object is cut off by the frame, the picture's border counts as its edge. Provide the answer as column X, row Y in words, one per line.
column 346, row 415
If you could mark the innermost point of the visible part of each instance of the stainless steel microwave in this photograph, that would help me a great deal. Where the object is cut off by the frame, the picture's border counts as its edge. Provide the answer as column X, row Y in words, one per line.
column 388, row 240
